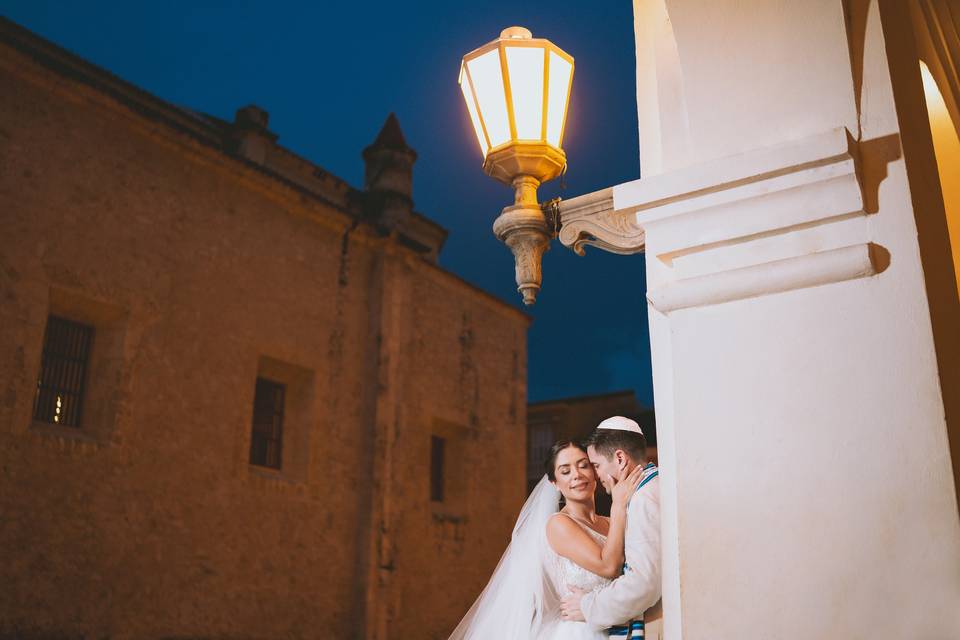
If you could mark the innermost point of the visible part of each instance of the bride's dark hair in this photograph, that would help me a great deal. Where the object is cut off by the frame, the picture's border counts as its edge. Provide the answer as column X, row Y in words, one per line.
column 555, row 450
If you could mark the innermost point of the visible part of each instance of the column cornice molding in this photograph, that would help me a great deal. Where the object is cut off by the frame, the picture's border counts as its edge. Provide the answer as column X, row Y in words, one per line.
column 762, row 222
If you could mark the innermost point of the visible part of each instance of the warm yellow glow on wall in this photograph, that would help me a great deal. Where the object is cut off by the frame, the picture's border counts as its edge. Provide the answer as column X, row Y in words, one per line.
column 946, row 145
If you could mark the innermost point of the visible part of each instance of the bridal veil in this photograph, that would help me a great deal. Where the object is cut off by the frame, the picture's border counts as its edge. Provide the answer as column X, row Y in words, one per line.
column 520, row 599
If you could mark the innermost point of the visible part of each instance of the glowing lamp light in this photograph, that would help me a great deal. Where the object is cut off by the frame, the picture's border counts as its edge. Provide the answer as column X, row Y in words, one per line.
column 516, row 89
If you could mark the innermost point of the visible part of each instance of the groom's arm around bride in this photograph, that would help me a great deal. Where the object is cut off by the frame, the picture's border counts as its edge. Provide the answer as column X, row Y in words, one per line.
column 615, row 449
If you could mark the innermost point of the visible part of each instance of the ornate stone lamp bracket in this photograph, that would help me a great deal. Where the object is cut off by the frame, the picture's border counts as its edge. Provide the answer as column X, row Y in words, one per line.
column 591, row 219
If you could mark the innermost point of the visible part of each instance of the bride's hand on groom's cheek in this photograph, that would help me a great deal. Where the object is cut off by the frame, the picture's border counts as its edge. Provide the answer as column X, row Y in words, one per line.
column 621, row 491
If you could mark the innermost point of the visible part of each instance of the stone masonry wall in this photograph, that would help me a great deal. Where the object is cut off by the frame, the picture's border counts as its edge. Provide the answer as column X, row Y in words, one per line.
column 197, row 272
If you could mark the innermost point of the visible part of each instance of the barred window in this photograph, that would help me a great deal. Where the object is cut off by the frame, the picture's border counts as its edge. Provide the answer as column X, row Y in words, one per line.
column 266, row 441
column 437, row 450
column 63, row 372
column 541, row 434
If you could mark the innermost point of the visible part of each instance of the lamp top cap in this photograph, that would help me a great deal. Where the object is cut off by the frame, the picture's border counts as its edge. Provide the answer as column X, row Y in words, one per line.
column 516, row 33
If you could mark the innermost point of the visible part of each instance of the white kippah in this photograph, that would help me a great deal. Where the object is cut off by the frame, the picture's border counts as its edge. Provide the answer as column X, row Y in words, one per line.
column 621, row 423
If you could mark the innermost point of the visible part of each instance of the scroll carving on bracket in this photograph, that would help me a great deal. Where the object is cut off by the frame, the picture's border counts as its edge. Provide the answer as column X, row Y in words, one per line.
column 592, row 220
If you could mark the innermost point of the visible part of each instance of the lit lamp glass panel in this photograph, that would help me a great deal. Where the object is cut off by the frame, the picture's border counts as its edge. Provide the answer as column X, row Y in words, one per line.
column 560, row 71
column 472, row 108
column 488, row 83
column 525, row 69
column 516, row 90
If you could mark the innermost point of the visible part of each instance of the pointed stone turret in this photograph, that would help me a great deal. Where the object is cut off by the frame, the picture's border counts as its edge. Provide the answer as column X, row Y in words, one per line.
column 388, row 181
column 390, row 136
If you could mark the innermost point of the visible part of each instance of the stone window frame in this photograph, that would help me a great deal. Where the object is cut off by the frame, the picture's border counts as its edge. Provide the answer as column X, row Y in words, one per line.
column 102, row 390
column 298, row 418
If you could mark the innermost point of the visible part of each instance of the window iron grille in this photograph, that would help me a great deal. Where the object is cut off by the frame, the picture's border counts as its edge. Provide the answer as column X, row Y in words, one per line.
column 540, row 439
column 266, row 441
column 63, row 372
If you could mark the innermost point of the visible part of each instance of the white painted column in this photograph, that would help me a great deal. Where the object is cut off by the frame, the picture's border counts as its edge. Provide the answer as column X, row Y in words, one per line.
column 796, row 317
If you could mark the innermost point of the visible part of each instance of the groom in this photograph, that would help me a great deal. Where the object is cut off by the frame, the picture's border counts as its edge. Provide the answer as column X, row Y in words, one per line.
column 626, row 604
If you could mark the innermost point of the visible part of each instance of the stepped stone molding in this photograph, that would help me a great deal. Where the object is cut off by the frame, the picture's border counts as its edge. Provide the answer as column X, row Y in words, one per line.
column 822, row 267
column 762, row 222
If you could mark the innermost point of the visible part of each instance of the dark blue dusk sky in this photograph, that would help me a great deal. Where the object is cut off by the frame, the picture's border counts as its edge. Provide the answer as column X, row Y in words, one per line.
column 330, row 72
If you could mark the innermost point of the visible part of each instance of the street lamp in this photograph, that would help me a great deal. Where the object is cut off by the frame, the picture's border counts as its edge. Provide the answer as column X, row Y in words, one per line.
column 517, row 89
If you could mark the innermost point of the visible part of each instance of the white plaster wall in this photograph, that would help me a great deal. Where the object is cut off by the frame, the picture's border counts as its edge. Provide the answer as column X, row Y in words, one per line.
column 807, row 484
column 730, row 76
column 815, row 497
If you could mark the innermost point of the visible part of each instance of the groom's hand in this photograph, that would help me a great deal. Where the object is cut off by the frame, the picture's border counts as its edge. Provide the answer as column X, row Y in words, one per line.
column 570, row 606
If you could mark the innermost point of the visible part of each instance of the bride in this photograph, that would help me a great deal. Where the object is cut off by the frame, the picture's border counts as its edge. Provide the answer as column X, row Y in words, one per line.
column 552, row 550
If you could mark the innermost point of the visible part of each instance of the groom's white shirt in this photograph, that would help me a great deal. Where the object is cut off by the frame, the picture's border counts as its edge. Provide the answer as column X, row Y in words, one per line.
column 638, row 589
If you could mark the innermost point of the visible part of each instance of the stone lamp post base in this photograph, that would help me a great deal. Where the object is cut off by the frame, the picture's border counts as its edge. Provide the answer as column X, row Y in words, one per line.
column 524, row 228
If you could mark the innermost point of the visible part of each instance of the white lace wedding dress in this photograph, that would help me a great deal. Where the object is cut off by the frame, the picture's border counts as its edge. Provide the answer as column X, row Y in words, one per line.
column 522, row 599
column 564, row 572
